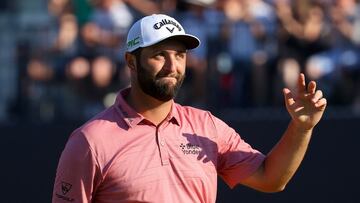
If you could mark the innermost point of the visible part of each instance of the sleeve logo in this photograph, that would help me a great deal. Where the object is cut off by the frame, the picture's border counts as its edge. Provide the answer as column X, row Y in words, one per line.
column 65, row 187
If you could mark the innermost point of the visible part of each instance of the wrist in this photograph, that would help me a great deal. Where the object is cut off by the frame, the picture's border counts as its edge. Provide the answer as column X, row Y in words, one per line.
column 299, row 128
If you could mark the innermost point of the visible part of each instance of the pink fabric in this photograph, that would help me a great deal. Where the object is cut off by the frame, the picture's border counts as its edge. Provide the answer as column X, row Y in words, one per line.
column 119, row 156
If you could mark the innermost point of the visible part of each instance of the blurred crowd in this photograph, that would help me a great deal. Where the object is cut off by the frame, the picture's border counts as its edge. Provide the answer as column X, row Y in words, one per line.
column 72, row 67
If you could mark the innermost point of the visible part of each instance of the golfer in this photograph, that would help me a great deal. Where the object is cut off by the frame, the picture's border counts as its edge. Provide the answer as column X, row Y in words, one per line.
column 147, row 148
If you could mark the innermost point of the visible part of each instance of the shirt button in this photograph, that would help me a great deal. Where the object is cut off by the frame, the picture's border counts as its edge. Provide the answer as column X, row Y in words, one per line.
column 162, row 143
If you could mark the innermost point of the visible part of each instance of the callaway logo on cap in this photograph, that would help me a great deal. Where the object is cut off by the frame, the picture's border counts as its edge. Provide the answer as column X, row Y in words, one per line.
column 155, row 28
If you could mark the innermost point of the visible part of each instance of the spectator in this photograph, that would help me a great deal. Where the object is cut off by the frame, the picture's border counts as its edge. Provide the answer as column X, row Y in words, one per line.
column 251, row 45
column 250, row 49
column 195, row 21
column 345, row 16
column 304, row 32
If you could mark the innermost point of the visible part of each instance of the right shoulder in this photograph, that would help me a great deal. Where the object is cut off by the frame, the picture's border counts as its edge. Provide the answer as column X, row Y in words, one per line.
column 101, row 130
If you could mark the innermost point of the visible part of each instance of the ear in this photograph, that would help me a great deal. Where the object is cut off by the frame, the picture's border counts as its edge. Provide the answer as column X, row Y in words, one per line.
column 130, row 61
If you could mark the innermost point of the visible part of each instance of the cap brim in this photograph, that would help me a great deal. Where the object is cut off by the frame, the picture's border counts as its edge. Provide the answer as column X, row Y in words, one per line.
column 190, row 41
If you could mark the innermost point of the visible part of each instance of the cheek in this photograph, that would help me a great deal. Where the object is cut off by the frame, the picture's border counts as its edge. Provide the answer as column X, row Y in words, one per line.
column 182, row 64
column 153, row 67
column 182, row 68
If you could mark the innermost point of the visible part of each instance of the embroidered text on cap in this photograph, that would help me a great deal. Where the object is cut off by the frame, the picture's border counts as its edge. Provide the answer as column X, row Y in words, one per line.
column 163, row 22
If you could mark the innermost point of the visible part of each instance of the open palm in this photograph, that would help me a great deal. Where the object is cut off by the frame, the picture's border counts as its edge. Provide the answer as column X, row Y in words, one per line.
column 306, row 106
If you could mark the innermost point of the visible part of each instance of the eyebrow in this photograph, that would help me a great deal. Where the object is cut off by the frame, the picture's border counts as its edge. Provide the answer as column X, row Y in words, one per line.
column 158, row 48
column 180, row 50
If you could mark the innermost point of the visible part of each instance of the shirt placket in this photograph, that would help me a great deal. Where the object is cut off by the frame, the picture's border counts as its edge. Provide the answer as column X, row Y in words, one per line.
column 163, row 148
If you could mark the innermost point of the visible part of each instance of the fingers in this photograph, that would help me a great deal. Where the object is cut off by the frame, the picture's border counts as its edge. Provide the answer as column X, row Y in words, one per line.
column 289, row 99
column 301, row 84
column 318, row 100
column 321, row 103
column 311, row 87
column 317, row 96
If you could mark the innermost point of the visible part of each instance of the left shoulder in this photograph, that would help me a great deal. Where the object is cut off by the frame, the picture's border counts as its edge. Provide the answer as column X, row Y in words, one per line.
column 195, row 115
column 192, row 111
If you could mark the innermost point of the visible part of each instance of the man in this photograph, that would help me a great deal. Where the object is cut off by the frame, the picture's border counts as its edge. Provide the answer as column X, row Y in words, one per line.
column 147, row 148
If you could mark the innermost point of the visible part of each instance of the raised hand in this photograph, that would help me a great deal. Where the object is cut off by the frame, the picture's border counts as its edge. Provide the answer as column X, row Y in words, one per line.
column 307, row 105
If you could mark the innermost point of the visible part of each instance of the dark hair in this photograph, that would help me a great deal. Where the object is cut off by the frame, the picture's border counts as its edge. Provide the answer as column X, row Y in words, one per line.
column 137, row 53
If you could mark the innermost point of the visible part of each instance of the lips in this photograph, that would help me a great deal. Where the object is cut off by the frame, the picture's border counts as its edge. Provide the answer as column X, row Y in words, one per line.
column 167, row 78
column 175, row 76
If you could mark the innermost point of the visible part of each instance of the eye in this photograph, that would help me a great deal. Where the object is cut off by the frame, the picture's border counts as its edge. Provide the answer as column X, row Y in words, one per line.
column 159, row 55
column 181, row 55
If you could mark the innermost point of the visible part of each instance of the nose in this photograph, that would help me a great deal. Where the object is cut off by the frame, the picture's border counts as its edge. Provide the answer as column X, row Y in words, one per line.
column 170, row 64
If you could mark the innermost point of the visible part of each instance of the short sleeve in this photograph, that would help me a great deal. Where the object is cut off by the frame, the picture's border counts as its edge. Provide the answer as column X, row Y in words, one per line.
column 237, row 159
column 77, row 173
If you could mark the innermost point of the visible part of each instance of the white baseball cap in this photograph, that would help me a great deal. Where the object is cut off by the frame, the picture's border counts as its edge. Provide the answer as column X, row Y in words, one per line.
column 155, row 28
column 204, row 3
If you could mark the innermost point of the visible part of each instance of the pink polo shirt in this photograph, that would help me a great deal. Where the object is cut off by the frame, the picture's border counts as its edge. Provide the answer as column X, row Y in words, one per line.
column 119, row 156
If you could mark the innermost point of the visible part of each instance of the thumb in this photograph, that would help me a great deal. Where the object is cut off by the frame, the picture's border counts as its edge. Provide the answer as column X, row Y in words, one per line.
column 288, row 97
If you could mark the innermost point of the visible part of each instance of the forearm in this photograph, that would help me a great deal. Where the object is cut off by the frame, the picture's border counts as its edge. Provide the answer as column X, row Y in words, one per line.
column 306, row 109
column 284, row 159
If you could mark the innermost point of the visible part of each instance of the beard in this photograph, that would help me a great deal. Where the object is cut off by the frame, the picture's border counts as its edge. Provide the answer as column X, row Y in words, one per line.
column 153, row 86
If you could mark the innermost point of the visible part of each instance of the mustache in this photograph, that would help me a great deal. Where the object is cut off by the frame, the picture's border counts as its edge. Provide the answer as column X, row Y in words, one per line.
column 172, row 75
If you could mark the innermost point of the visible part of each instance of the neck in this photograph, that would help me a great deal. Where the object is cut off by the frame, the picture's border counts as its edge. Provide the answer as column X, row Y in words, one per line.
column 152, row 109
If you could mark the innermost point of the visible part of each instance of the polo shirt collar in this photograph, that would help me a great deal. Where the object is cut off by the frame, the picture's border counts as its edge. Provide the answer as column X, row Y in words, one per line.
column 174, row 114
column 133, row 118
